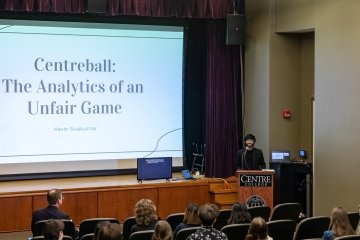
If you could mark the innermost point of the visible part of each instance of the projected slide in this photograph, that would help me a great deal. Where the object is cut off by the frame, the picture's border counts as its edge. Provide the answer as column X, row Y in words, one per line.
column 71, row 91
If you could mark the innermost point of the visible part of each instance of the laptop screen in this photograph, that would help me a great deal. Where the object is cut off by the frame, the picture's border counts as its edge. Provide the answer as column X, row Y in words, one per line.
column 280, row 156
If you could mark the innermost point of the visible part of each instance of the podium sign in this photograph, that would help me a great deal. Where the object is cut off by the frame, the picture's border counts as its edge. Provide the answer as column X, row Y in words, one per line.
column 255, row 188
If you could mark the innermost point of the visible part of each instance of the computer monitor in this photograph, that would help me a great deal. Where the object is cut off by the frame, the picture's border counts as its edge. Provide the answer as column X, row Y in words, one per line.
column 280, row 156
column 154, row 168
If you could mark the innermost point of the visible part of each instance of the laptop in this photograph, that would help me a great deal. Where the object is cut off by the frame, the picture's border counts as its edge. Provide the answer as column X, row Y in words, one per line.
column 186, row 174
column 280, row 156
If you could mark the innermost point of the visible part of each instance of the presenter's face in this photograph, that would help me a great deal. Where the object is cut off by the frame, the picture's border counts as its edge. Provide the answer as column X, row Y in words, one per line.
column 249, row 143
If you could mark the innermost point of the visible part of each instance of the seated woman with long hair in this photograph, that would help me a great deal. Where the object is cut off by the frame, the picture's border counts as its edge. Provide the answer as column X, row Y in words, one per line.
column 239, row 214
column 258, row 230
column 340, row 225
column 191, row 218
column 162, row 231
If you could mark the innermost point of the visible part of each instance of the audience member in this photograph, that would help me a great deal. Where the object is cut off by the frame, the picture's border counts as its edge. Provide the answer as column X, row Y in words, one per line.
column 162, row 231
column 239, row 214
column 98, row 226
column 145, row 216
column 55, row 200
column 258, row 230
column 110, row 231
column 53, row 230
column 208, row 214
column 340, row 224
column 191, row 218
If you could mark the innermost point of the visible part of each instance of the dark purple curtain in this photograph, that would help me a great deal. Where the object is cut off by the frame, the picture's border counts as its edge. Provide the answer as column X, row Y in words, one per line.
column 153, row 8
column 222, row 82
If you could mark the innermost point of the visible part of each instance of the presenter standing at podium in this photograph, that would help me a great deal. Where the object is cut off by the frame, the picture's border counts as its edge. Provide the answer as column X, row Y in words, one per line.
column 250, row 157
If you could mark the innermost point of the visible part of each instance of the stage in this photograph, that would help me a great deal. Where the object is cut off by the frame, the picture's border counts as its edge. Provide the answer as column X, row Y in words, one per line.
column 106, row 196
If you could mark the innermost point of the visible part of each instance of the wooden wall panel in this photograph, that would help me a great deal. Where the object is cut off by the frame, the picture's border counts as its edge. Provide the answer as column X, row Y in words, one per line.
column 80, row 206
column 15, row 213
column 120, row 203
column 175, row 199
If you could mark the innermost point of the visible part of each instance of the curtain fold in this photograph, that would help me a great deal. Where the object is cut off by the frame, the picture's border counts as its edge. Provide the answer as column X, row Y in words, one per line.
column 222, row 79
column 215, row 9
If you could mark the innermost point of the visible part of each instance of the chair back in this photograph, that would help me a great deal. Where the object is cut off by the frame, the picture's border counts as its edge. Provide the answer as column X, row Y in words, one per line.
column 354, row 219
column 174, row 219
column 185, row 232
column 69, row 229
column 66, row 237
column 350, row 237
column 38, row 228
column 260, row 211
column 222, row 219
column 281, row 229
column 128, row 223
column 88, row 236
column 312, row 227
column 286, row 211
column 142, row 235
column 88, row 225
column 236, row 231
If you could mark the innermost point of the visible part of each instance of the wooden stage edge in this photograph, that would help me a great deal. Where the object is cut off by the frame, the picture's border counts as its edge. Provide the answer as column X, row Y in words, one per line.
column 107, row 196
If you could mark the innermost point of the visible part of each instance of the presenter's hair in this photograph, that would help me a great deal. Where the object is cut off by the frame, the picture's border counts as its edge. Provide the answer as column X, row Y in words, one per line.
column 208, row 214
column 249, row 136
column 53, row 196
column 145, row 212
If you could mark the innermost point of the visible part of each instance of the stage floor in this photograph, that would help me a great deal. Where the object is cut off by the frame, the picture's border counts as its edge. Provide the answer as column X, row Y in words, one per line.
column 31, row 186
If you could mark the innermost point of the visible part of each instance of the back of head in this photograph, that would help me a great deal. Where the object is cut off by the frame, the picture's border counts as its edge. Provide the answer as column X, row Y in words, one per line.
column 53, row 196
column 340, row 222
column 99, row 226
column 162, row 231
column 208, row 213
column 239, row 214
column 257, row 230
column 145, row 212
column 191, row 216
column 111, row 231
column 53, row 229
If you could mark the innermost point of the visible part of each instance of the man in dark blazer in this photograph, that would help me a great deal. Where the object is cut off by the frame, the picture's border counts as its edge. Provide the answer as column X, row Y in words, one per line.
column 52, row 211
column 250, row 157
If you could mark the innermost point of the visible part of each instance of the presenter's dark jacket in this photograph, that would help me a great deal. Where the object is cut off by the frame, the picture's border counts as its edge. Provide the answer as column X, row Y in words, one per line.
column 250, row 160
column 50, row 212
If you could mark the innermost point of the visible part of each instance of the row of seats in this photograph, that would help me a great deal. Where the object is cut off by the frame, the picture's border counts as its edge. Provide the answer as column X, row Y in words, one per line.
column 281, row 220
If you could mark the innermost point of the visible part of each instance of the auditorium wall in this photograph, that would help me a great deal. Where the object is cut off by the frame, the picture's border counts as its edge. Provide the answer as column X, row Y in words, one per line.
column 280, row 48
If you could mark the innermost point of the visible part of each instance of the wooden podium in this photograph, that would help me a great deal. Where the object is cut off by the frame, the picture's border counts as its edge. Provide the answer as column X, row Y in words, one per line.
column 255, row 188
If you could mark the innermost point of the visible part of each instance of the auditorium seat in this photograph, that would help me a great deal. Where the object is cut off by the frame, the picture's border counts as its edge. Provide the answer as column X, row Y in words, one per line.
column 350, row 237
column 236, row 231
column 286, row 211
column 222, row 219
column 88, row 225
column 128, row 223
column 69, row 229
column 312, row 227
column 88, row 236
column 281, row 229
column 142, row 235
column 174, row 219
column 354, row 219
column 65, row 237
column 185, row 232
column 260, row 211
